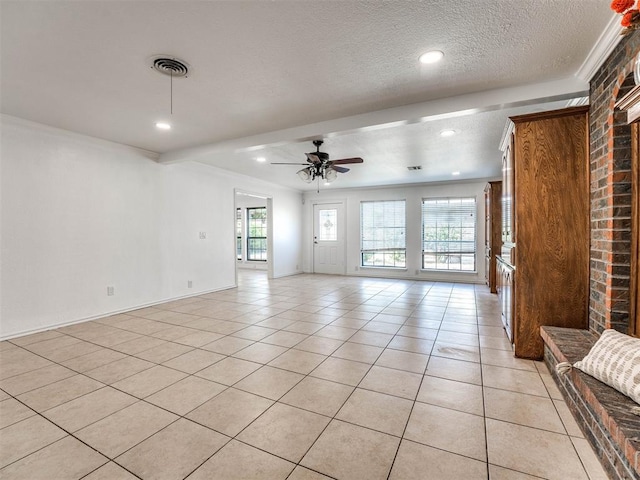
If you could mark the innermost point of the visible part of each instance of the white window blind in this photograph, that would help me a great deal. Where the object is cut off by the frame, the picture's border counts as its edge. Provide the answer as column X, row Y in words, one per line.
column 449, row 233
column 382, row 233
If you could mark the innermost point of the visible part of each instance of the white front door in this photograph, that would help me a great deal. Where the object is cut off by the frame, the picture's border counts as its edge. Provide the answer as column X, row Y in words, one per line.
column 328, row 238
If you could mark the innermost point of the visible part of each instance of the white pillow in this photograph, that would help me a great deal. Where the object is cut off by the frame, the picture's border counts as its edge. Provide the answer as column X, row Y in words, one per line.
column 615, row 360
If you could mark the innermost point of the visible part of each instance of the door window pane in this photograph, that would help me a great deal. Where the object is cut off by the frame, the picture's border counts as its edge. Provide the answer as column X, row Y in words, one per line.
column 328, row 225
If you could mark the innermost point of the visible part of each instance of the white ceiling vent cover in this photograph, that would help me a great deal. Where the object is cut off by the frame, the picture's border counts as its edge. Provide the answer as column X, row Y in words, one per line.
column 169, row 65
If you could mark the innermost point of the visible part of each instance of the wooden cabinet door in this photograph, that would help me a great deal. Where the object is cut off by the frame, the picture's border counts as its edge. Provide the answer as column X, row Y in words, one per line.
column 505, row 285
column 492, row 231
column 552, row 218
column 508, row 299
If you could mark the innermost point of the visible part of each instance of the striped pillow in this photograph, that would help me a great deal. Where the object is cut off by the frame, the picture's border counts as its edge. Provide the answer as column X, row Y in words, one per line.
column 615, row 360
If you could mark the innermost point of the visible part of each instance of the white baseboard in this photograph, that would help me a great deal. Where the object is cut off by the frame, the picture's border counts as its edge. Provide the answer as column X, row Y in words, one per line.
column 287, row 274
column 108, row 314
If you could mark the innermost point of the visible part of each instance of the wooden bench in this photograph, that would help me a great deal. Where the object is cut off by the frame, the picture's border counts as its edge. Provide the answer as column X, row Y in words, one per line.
column 609, row 420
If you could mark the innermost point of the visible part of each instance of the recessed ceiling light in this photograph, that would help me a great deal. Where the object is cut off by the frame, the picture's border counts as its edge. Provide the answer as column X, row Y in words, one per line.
column 163, row 126
column 447, row 133
column 431, row 57
column 455, row 174
column 261, row 159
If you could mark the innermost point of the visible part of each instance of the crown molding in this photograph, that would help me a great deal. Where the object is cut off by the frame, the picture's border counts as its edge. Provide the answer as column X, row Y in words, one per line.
column 603, row 47
column 79, row 137
column 578, row 102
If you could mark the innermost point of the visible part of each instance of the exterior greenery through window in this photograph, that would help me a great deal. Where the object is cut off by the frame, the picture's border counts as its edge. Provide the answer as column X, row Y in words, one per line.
column 449, row 233
column 383, row 236
column 239, row 233
column 257, row 234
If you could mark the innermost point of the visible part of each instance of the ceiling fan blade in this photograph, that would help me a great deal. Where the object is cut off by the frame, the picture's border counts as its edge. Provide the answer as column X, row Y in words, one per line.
column 340, row 169
column 287, row 163
column 343, row 161
column 313, row 158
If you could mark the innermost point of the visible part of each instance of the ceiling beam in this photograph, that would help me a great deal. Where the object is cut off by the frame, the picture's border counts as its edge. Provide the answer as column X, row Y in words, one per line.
column 468, row 104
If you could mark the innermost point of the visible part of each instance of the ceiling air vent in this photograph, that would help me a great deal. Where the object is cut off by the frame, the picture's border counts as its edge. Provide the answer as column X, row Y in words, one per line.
column 416, row 167
column 170, row 66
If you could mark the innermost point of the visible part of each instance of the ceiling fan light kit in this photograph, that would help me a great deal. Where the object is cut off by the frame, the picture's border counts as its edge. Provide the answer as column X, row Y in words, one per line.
column 319, row 166
column 305, row 174
column 330, row 175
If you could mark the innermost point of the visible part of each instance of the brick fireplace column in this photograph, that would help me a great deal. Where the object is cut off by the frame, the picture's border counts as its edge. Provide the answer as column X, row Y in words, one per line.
column 610, row 158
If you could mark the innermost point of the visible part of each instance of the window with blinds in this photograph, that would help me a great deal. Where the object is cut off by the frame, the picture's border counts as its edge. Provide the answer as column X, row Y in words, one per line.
column 449, row 234
column 382, row 234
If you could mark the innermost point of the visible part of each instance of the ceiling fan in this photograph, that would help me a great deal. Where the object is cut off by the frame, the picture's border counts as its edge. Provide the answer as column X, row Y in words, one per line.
column 319, row 166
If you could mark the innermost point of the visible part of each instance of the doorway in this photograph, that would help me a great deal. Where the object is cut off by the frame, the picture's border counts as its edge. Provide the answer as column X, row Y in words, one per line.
column 253, row 232
column 328, row 238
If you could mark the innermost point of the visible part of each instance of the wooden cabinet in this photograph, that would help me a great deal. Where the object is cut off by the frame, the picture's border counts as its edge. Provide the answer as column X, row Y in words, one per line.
column 546, row 225
column 492, row 231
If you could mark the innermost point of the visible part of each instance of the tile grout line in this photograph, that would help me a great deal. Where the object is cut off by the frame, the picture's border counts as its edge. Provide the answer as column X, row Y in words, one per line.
column 287, row 349
column 404, row 430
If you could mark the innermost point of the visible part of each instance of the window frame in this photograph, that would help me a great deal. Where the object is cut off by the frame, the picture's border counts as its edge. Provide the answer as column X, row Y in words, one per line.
column 386, row 252
column 250, row 238
column 239, row 234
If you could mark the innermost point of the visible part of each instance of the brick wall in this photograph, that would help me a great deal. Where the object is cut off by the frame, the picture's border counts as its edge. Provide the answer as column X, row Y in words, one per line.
column 611, row 190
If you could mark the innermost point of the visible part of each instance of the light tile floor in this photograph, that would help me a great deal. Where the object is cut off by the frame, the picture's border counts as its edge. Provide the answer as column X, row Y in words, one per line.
column 305, row 377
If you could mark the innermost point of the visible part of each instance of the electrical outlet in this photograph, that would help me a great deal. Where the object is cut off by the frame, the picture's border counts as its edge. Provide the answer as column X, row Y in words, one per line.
column 110, row 291
column 189, row 284
column 203, row 235
column 417, row 271
column 356, row 268
column 297, row 268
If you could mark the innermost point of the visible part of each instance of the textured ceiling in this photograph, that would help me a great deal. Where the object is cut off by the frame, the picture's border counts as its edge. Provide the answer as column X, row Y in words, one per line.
column 261, row 67
column 387, row 152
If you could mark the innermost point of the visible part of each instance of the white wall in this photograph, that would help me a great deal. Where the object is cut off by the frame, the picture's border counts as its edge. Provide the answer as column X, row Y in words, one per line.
column 286, row 230
column 80, row 214
column 413, row 196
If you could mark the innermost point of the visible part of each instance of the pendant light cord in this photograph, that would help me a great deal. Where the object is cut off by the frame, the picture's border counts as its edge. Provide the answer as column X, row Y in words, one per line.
column 171, row 92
